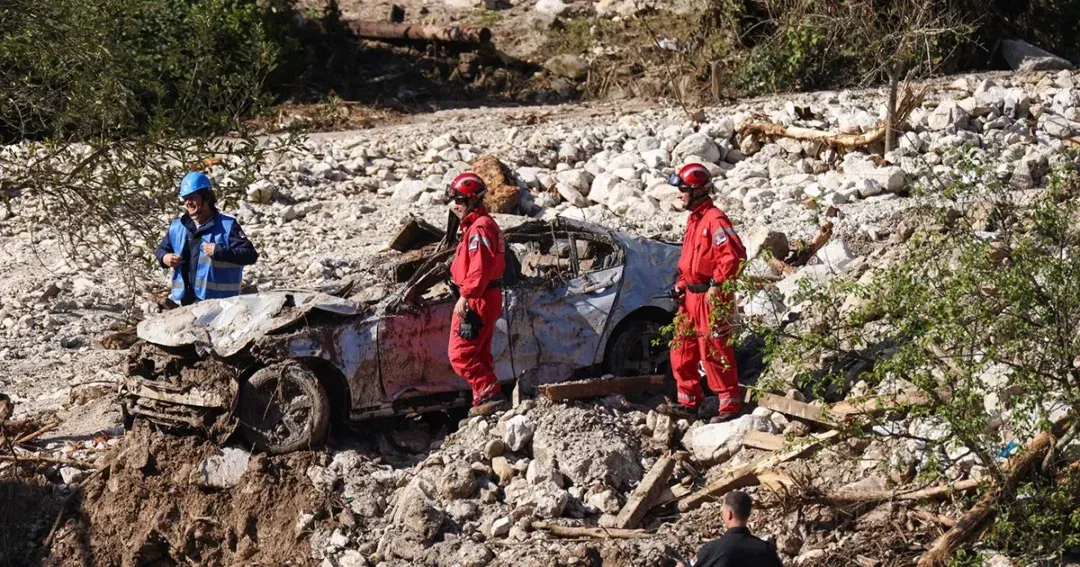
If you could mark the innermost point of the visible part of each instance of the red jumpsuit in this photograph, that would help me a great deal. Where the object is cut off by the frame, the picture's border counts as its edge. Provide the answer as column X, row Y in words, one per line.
column 479, row 262
column 711, row 252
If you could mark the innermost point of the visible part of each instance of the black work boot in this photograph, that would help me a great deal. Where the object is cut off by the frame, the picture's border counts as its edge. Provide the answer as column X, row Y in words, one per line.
column 492, row 404
column 677, row 411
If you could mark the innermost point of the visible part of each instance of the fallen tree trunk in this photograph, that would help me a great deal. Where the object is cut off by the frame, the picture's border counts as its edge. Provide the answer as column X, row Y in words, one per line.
column 747, row 475
column 973, row 521
column 582, row 531
column 391, row 31
column 866, row 496
column 910, row 101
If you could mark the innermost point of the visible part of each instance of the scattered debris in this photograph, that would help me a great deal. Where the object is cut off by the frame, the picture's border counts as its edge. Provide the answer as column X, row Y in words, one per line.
column 596, row 388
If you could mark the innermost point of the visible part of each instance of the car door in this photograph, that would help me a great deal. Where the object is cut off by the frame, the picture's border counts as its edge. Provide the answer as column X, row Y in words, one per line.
column 413, row 345
column 558, row 322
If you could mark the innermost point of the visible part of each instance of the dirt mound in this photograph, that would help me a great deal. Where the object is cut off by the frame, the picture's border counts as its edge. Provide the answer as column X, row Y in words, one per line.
column 149, row 507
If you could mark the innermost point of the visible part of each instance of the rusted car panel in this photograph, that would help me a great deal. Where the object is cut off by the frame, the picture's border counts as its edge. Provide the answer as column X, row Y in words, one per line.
column 572, row 283
column 228, row 326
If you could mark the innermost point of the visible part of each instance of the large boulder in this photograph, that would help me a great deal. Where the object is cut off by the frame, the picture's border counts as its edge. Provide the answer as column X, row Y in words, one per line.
column 587, row 448
column 503, row 194
column 762, row 238
column 415, row 510
column 697, row 145
column 1024, row 57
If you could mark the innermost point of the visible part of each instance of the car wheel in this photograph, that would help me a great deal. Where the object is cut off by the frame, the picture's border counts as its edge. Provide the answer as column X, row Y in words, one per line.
column 283, row 408
column 634, row 352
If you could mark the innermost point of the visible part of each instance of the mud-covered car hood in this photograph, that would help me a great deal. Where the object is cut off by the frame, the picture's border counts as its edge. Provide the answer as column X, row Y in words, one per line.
column 229, row 325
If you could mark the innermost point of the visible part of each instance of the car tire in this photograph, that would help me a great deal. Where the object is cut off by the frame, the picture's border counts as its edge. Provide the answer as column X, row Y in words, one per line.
column 624, row 356
column 283, row 408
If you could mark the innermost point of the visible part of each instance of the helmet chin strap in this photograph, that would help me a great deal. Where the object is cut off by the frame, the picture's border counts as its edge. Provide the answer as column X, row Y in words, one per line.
column 697, row 196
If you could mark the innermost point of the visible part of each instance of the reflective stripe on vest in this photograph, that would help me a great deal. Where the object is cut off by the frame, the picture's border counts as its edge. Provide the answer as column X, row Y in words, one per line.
column 214, row 279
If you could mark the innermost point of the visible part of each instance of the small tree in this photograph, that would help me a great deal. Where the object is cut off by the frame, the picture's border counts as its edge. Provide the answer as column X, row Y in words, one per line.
column 980, row 313
column 902, row 38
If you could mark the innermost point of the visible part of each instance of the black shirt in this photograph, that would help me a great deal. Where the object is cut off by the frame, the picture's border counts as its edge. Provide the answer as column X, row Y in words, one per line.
column 738, row 548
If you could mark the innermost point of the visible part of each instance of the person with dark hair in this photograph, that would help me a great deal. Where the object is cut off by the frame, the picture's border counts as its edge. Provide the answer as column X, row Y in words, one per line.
column 206, row 249
column 738, row 547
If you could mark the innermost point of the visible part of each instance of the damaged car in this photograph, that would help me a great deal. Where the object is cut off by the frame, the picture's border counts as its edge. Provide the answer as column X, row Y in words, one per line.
column 579, row 300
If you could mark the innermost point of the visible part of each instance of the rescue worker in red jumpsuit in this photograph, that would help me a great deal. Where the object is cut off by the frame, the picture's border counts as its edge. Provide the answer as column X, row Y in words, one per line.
column 475, row 274
column 712, row 254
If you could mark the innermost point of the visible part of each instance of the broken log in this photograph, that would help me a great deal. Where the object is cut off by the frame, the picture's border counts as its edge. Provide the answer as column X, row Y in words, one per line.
column 762, row 128
column 867, row 496
column 747, row 475
column 582, row 531
column 929, row 516
column 599, row 387
column 671, row 494
column 795, row 408
column 638, row 504
column 36, row 434
column 392, row 31
column 973, row 521
column 878, row 404
column 765, row 441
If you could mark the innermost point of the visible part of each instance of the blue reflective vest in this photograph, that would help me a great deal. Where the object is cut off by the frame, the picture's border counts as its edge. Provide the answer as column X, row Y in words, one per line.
column 214, row 279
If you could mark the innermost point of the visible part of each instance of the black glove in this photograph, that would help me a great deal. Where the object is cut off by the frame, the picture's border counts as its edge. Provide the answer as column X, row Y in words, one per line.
column 470, row 325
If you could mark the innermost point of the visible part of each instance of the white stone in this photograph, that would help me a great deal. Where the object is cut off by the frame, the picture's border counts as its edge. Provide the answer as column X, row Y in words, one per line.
column 948, row 113
column 553, row 7
column 408, row 191
column 601, row 188
column 716, row 441
column 835, row 254
column 699, row 145
column 577, row 179
column 1056, row 126
column 519, row 431
column 224, row 470
column 1024, row 57
column 501, row 527
column 607, row 502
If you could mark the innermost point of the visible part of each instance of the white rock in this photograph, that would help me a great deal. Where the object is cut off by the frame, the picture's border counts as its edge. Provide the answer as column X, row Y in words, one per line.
column 352, row 558
column 571, row 195
column 835, row 254
column 408, row 191
column 224, row 470
column 718, row 441
column 948, row 113
column 577, row 179
column 552, row 7
column 501, row 527
column 70, row 475
column 1056, row 126
column 607, row 502
column 699, row 145
column 519, row 431
column 601, row 188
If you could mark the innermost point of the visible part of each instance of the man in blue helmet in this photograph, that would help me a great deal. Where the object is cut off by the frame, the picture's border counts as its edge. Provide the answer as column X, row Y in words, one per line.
column 206, row 249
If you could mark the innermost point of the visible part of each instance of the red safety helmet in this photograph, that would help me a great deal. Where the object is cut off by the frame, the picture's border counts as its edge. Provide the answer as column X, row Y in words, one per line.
column 691, row 176
column 467, row 184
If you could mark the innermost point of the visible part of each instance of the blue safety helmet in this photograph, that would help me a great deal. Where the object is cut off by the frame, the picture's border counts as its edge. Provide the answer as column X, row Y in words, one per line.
column 193, row 183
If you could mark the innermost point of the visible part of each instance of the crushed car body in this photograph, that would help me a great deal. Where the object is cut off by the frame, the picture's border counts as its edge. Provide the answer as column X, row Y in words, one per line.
column 577, row 297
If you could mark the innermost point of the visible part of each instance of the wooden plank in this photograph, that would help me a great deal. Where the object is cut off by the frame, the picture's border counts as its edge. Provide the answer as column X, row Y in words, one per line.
column 761, row 440
column 671, row 494
column 774, row 481
column 647, row 490
column 746, row 475
column 598, row 387
column 788, row 406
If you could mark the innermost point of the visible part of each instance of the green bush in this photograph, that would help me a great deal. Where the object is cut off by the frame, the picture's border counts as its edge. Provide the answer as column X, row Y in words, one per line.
column 87, row 68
